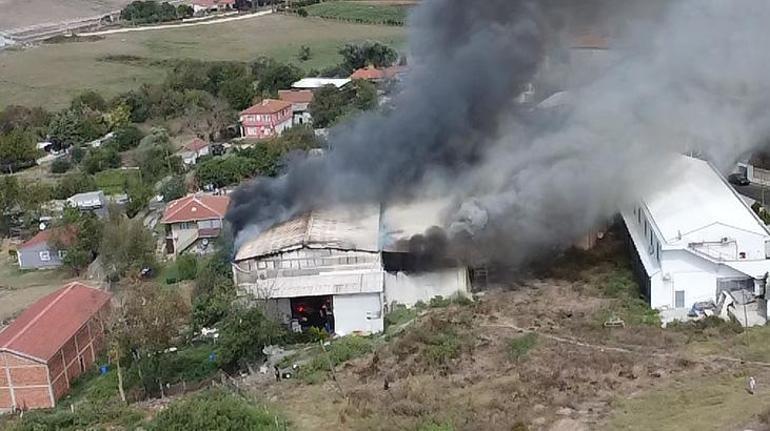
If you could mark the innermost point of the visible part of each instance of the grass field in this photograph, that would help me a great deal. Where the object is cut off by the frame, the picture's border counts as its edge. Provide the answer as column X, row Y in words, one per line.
column 49, row 75
column 362, row 12
column 113, row 181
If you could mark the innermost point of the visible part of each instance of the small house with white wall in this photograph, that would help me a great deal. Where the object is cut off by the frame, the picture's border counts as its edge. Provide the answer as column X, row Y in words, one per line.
column 696, row 239
column 194, row 150
column 336, row 259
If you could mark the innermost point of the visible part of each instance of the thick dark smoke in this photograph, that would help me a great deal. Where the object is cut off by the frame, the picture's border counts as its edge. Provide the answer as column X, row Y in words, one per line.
column 470, row 62
column 692, row 76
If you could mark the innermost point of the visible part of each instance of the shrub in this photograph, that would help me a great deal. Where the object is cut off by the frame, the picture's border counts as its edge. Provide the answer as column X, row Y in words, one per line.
column 519, row 347
column 339, row 351
column 60, row 166
column 187, row 267
column 216, row 410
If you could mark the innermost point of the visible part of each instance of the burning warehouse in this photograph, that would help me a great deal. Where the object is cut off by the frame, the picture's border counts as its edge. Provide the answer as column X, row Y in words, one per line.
column 343, row 268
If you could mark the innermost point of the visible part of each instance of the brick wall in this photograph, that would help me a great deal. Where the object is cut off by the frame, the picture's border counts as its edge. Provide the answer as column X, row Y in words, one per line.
column 23, row 383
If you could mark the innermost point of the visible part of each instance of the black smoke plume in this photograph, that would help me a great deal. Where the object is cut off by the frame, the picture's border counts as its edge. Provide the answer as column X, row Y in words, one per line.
column 691, row 77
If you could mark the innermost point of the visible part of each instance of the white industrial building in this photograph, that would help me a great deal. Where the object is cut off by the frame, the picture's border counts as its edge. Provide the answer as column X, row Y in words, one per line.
column 697, row 241
column 337, row 258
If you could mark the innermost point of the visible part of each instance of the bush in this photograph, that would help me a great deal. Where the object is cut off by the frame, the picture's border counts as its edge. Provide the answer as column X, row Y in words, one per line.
column 339, row 351
column 127, row 137
column 60, row 166
column 216, row 410
column 518, row 347
column 187, row 266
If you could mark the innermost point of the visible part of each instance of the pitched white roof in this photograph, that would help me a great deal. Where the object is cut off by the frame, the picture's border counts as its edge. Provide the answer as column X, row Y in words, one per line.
column 699, row 197
column 313, row 83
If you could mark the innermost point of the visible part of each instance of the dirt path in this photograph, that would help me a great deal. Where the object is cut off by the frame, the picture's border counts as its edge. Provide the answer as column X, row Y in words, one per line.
column 172, row 26
column 628, row 349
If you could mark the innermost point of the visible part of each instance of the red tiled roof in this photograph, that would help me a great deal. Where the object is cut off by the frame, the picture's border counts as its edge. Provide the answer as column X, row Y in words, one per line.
column 196, row 208
column 196, row 144
column 296, row 96
column 209, row 3
column 43, row 328
column 65, row 235
column 267, row 106
column 368, row 73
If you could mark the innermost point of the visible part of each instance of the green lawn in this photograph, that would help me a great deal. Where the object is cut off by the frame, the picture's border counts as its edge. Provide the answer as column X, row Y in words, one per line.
column 50, row 74
column 113, row 181
column 362, row 12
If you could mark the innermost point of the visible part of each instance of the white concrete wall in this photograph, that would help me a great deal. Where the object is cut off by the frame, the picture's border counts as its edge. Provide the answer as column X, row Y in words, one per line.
column 682, row 270
column 358, row 312
column 738, row 241
column 408, row 289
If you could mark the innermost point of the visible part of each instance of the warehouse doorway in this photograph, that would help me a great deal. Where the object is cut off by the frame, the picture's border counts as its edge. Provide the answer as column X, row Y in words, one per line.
column 313, row 312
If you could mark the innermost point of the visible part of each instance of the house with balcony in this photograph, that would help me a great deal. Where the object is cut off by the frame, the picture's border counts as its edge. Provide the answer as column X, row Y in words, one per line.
column 267, row 119
column 193, row 223
column 697, row 241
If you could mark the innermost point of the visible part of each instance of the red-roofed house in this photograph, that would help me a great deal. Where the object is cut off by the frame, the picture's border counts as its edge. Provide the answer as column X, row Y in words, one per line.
column 300, row 102
column 374, row 74
column 41, row 250
column 194, row 150
column 267, row 119
column 49, row 345
column 192, row 222
column 203, row 6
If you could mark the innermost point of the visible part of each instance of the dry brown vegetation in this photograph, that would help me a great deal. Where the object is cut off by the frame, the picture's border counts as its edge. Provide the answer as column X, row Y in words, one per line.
column 471, row 367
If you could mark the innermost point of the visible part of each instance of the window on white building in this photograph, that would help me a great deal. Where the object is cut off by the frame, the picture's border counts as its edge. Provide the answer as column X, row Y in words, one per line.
column 679, row 298
column 62, row 254
column 45, row 256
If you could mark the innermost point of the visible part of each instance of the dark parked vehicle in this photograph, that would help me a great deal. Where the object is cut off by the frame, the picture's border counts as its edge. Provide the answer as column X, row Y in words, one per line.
column 738, row 179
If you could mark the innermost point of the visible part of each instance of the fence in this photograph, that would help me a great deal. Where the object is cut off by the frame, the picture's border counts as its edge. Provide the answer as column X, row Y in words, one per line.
column 170, row 390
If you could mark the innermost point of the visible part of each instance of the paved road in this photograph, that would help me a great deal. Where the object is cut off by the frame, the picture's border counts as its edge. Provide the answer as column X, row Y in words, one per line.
column 171, row 26
column 755, row 191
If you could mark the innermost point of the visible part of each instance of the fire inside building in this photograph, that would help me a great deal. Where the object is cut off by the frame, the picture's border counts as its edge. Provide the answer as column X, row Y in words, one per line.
column 341, row 269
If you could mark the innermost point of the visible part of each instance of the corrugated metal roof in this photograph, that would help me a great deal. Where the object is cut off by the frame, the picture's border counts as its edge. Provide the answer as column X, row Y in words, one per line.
column 347, row 228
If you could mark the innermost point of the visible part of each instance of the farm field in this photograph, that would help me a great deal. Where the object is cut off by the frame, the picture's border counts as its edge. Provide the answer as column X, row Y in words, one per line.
column 50, row 74
column 361, row 11
column 24, row 13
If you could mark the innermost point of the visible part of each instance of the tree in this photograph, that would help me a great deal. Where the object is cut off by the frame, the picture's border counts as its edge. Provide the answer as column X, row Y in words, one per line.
column 238, row 93
column 174, row 188
column 370, row 53
column 156, row 155
column 89, row 99
column 243, row 334
column 304, row 53
column 225, row 171
column 73, row 183
column 329, row 103
column 65, row 127
column 21, row 117
column 79, row 234
column 214, row 291
column 272, row 76
column 119, row 117
column 60, row 166
column 125, row 244
column 184, row 11
column 99, row 159
column 127, row 137
column 139, row 194
column 365, row 95
column 17, row 147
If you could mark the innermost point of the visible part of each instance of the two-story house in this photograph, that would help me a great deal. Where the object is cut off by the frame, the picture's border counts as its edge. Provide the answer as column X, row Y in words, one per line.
column 193, row 222
column 267, row 119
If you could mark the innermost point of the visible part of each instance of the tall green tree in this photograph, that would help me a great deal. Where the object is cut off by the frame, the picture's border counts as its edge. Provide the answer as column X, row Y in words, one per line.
column 125, row 245
column 243, row 334
column 17, row 146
